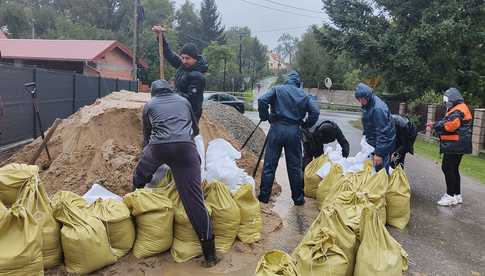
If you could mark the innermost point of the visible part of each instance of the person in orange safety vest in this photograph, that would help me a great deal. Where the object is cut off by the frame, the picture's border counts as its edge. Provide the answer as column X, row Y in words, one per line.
column 455, row 133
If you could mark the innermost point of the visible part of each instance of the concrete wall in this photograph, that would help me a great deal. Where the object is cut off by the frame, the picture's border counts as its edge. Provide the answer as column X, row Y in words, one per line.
column 343, row 97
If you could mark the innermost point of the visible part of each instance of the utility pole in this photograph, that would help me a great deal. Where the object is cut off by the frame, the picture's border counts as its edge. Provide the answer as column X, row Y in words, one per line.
column 224, row 79
column 240, row 53
column 135, row 37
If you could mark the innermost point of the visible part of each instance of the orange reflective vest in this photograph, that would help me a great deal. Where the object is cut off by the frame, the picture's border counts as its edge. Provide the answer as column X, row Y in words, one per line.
column 455, row 130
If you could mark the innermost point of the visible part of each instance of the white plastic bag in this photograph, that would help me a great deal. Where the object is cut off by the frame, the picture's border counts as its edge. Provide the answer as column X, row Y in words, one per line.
column 324, row 170
column 98, row 191
column 221, row 165
column 199, row 143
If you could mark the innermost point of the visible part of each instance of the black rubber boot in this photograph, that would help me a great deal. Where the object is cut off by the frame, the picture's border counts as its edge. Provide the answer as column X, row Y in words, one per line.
column 209, row 251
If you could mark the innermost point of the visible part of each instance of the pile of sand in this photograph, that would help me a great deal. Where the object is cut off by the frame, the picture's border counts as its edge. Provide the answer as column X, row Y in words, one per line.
column 101, row 143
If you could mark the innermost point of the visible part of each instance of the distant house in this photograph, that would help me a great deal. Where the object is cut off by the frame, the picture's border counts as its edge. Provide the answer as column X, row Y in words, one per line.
column 275, row 62
column 105, row 58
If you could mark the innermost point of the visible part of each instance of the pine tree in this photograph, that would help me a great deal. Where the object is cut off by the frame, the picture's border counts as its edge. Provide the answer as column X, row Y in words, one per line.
column 212, row 29
column 189, row 26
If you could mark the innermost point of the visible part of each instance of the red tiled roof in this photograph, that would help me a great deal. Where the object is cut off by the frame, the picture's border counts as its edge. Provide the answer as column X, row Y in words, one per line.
column 72, row 50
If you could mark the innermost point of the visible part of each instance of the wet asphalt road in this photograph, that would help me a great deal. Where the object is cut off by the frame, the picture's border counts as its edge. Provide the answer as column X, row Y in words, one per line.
column 446, row 241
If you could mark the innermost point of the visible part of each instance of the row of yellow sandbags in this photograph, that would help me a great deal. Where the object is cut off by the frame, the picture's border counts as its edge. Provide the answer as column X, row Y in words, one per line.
column 332, row 248
column 99, row 234
column 393, row 191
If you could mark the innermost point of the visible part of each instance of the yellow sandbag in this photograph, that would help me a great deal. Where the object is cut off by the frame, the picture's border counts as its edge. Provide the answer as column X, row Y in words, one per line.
column 20, row 242
column 326, row 186
column 34, row 198
column 376, row 184
column 154, row 214
column 186, row 244
column 398, row 199
column 119, row 225
column 311, row 179
column 251, row 221
column 378, row 253
column 83, row 236
column 276, row 263
column 12, row 178
column 352, row 204
column 226, row 217
column 329, row 246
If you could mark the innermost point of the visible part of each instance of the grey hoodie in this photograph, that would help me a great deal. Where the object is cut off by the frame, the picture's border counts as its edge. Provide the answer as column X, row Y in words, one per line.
column 167, row 117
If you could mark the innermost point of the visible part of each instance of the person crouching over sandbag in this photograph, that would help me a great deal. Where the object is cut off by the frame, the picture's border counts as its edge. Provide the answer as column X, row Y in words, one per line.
column 320, row 134
column 169, row 127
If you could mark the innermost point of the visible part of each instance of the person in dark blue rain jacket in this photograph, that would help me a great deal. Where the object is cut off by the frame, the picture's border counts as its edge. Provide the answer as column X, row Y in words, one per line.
column 378, row 127
column 289, row 107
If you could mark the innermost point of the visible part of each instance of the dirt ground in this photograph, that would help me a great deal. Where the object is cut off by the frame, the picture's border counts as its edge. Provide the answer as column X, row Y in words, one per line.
column 101, row 144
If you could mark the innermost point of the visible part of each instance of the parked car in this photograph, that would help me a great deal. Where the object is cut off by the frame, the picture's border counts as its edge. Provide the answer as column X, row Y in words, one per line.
column 226, row 99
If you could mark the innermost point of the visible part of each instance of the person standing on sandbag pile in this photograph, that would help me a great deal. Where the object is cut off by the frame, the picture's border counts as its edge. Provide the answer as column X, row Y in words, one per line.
column 189, row 77
column 379, row 130
column 455, row 131
column 314, row 139
column 169, row 126
column 289, row 106
column 406, row 134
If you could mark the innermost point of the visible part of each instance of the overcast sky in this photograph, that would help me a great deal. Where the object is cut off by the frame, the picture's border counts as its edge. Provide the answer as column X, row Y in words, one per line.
column 269, row 23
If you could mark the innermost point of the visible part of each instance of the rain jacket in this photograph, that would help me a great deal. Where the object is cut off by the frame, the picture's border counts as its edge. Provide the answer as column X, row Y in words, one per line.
column 406, row 134
column 289, row 104
column 189, row 82
column 324, row 132
column 376, row 120
column 167, row 117
column 455, row 129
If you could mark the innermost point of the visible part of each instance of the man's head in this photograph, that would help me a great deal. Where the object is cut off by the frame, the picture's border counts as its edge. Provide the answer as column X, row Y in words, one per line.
column 189, row 55
column 452, row 97
column 294, row 78
column 160, row 87
column 363, row 94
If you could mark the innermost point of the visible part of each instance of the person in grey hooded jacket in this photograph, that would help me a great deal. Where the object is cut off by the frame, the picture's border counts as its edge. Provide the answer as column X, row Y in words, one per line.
column 378, row 127
column 289, row 106
column 169, row 126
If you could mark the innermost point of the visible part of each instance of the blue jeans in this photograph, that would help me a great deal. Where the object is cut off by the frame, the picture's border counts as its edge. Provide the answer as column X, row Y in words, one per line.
column 288, row 137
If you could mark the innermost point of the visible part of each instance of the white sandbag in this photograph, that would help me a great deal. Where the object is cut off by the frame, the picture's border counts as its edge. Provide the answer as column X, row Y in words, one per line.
column 199, row 143
column 98, row 191
column 324, row 170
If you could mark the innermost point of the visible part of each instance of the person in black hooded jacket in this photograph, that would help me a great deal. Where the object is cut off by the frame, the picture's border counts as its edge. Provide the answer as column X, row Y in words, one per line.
column 189, row 77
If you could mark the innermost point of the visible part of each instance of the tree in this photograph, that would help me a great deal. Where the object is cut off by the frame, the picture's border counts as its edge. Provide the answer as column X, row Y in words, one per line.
column 413, row 45
column 288, row 46
column 189, row 26
column 211, row 26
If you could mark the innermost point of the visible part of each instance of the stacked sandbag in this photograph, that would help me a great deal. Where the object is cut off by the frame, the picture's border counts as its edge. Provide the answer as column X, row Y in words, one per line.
column 379, row 254
column 116, row 217
column 251, row 222
column 83, row 236
column 375, row 188
column 21, row 183
column 311, row 178
column 186, row 244
column 276, row 263
column 12, row 178
column 333, row 183
column 21, row 242
column 398, row 199
column 226, row 217
column 328, row 247
column 154, row 215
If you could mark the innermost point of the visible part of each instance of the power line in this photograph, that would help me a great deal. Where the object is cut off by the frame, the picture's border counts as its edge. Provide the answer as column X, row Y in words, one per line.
column 283, row 29
column 293, row 7
column 280, row 10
